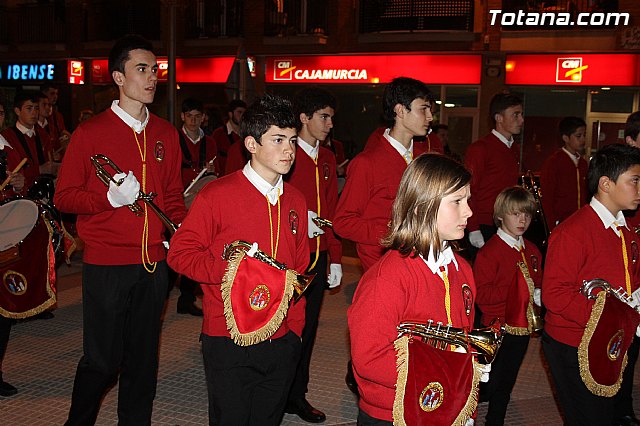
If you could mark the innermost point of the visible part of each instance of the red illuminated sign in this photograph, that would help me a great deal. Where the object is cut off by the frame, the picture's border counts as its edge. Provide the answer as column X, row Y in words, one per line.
column 367, row 69
column 573, row 69
column 75, row 72
column 188, row 70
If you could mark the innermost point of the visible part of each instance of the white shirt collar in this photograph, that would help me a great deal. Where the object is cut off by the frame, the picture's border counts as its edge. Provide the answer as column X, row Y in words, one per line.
column 407, row 154
column 312, row 151
column 44, row 123
column 4, row 142
column 573, row 157
column 606, row 217
column 444, row 258
column 507, row 142
column 137, row 125
column 230, row 128
column 265, row 188
column 25, row 130
column 516, row 243
column 200, row 135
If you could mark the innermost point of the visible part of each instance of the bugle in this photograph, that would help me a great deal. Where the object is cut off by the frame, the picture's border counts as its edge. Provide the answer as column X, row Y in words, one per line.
column 529, row 183
column 486, row 341
column 588, row 287
column 322, row 222
column 302, row 281
column 101, row 161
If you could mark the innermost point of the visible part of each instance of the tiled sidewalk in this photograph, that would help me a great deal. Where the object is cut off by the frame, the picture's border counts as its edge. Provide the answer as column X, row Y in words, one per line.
column 43, row 354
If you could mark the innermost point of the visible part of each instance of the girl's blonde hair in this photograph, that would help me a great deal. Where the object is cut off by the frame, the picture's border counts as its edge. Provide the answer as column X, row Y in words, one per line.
column 514, row 199
column 427, row 180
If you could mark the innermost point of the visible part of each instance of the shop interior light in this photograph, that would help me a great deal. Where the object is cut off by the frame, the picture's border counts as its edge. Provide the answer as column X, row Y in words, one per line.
column 605, row 88
column 439, row 102
column 448, row 105
column 375, row 80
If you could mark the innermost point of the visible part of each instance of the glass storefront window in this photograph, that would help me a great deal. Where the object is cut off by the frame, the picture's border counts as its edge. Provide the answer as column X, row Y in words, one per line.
column 461, row 96
column 613, row 99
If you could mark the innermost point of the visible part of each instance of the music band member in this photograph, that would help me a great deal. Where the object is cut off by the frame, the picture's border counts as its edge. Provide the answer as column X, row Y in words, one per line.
column 508, row 274
column 229, row 134
column 125, row 276
column 248, row 381
column 593, row 242
column 420, row 277
column 314, row 174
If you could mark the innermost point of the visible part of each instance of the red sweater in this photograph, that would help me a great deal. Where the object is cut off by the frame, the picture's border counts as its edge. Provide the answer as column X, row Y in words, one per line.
column 236, row 159
column 189, row 173
column 337, row 147
column 364, row 208
column 303, row 177
column 397, row 289
column 580, row 248
column 495, row 268
column 493, row 167
column 229, row 209
column 31, row 169
column 113, row 236
column 221, row 137
column 564, row 186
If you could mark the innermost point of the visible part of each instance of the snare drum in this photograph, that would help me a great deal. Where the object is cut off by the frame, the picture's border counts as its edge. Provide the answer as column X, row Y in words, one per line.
column 27, row 259
column 197, row 187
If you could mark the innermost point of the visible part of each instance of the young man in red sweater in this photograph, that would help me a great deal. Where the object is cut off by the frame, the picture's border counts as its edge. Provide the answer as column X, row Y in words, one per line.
column 248, row 384
column 364, row 208
column 314, row 174
column 125, row 276
column 563, row 178
column 229, row 134
column 575, row 253
column 494, row 164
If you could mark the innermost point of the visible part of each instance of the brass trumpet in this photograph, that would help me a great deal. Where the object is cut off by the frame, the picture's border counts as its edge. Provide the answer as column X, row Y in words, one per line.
column 302, row 281
column 322, row 222
column 486, row 341
column 588, row 288
column 529, row 183
column 100, row 161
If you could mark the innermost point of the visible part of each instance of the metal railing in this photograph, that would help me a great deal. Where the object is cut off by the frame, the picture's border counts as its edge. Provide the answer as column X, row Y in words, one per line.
column 209, row 19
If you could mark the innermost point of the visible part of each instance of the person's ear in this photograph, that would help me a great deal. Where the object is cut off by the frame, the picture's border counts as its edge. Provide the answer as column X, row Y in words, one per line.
column 498, row 117
column 118, row 77
column 604, row 184
column 565, row 139
column 251, row 144
column 400, row 110
column 304, row 118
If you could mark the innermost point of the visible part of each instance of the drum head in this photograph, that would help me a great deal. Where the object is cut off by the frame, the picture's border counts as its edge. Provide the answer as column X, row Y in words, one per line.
column 17, row 219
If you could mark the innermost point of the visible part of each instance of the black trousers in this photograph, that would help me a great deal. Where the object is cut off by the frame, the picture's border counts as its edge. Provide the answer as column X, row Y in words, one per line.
column 366, row 420
column 187, row 292
column 624, row 400
column 580, row 406
column 504, row 372
column 248, row 385
column 314, row 297
column 121, row 309
column 5, row 331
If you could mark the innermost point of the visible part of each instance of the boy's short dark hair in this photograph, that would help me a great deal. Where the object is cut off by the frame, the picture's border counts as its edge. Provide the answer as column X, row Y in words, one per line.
column 24, row 96
column 632, row 126
column 500, row 102
column 267, row 111
column 311, row 99
column 569, row 125
column 119, row 53
column 237, row 103
column 403, row 91
column 611, row 161
column 190, row 104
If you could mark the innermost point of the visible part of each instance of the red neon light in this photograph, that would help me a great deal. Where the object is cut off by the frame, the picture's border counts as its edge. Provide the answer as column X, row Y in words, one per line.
column 75, row 72
column 188, row 70
column 367, row 69
column 573, row 69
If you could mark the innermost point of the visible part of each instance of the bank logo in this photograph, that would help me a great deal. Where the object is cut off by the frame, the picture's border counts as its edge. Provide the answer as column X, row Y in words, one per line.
column 283, row 69
column 569, row 70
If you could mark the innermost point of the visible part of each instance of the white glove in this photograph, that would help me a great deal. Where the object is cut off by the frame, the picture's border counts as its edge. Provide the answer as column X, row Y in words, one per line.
column 335, row 275
column 476, row 239
column 126, row 193
column 638, row 331
column 470, row 422
column 313, row 230
column 485, row 369
column 537, row 297
column 253, row 250
column 166, row 244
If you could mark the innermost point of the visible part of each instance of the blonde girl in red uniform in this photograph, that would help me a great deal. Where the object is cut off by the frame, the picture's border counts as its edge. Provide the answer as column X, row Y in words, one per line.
column 419, row 277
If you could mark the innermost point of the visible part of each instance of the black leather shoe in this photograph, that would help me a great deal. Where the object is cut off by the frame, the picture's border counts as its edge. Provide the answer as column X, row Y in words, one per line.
column 190, row 309
column 6, row 389
column 305, row 411
column 350, row 380
column 45, row 315
column 628, row 421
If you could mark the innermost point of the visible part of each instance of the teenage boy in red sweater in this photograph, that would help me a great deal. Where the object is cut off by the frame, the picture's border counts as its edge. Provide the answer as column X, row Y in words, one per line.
column 494, row 164
column 125, row 276
column 229, row 134
column 594, row 242
column 364, row 208
column 248, row 384
column 564, row 174
column 314, row 174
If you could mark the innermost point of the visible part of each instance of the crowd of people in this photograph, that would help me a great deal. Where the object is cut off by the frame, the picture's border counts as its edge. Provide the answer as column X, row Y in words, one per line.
column 440, row 241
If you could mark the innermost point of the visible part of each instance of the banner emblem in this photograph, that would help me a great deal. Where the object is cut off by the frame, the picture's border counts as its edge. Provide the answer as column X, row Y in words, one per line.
column 431, row 397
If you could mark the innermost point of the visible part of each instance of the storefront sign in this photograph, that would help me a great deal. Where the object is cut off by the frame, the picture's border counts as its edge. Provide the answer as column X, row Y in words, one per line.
column 573, row 69
column 367, row 69
column 188, row 70
column 29, row 72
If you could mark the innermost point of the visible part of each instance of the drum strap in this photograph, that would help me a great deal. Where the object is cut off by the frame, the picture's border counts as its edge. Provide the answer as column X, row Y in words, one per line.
column 187, row 154
column 25, row 146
